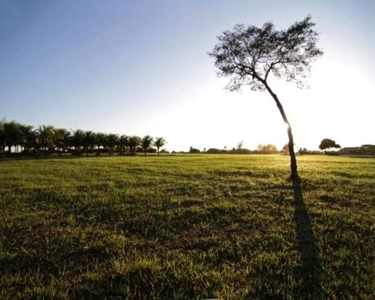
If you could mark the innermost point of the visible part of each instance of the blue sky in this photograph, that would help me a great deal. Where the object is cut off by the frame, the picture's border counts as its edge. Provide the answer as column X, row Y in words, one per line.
column 141, row 67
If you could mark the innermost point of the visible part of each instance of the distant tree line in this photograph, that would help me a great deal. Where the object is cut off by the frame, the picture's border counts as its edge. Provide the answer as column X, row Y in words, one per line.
column 261, row 149
column 16, row 138
column 327, row 145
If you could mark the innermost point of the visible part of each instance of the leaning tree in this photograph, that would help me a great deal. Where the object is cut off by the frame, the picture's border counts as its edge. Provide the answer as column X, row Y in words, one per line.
column 250, row 56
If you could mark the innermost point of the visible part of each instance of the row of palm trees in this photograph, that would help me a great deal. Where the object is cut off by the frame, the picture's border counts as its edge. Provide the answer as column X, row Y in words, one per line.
column 46, row 140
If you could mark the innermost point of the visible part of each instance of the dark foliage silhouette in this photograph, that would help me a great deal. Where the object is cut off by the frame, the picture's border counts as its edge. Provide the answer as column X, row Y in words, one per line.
column 327, row 144
column 19, row 139
column 134, row 142
column 194, row 150
column 124, row 143
column 146, row 143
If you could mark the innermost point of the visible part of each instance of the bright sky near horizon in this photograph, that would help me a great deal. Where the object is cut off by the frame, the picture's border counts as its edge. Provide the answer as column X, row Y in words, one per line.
column 141, row 67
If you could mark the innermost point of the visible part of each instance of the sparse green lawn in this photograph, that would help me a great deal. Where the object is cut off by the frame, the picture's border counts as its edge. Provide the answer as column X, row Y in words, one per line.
column 197, row 226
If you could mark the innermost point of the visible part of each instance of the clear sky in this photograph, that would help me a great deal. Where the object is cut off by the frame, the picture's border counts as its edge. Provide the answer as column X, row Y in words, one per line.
column 141, row 67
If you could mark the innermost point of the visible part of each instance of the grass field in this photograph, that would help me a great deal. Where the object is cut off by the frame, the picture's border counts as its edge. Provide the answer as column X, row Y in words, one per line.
column 186, row 227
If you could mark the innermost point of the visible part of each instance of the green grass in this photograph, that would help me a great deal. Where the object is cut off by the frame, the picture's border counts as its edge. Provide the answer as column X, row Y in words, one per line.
column 197, row 226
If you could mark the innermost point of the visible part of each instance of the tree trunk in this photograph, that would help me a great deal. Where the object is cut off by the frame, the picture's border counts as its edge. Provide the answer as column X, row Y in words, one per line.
column 293, row 160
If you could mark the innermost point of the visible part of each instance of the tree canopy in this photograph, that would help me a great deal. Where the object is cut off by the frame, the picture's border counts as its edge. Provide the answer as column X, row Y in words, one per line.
column 249, row 55
column 327, row 144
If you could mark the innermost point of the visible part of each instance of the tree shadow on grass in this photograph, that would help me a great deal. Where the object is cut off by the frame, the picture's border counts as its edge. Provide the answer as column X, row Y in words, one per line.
column 310, row 269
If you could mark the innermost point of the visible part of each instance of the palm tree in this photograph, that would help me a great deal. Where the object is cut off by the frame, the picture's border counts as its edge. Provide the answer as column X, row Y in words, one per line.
column 46, row 137
column 62, row 138
column 88, row 141
column 123, row 143
column 28, row 138
column 12, row 135
column 112, row 140
column 77, row 140
column 159, row 142
column 134, row 142
column 101, row 140
column 146, row 143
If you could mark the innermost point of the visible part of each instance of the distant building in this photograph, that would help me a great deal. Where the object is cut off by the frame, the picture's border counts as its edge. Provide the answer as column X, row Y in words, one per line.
column 349, row 150
column 367, row 150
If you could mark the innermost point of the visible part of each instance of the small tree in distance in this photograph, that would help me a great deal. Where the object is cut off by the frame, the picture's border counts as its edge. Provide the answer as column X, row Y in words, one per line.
column 194, row 150
column 267, row 149
column 327, row 144
column 249, row 55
